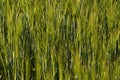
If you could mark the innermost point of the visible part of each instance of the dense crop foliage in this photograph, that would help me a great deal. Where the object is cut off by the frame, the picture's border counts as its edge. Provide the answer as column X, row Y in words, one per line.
column 59, row 39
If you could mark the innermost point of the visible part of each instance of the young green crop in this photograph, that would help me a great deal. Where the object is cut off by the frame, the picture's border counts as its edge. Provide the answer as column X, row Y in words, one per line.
column 59, row 40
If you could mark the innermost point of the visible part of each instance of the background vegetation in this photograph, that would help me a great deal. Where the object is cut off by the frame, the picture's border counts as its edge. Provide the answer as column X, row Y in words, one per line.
column 59, row 39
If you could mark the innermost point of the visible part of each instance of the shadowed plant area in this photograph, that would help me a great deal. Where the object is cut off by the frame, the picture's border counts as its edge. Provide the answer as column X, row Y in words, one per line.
column 59, row 39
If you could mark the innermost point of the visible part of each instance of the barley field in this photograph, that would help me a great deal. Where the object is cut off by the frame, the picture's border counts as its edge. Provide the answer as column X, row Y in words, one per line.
column 59, row 39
